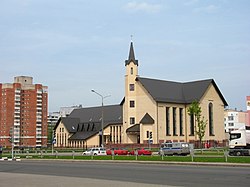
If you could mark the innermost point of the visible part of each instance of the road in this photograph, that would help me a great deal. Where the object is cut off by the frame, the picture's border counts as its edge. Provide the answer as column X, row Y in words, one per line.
column 91, row 173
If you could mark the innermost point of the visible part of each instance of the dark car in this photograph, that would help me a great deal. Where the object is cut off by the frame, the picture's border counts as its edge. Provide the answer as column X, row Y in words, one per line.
column 142, row 151
column 117, row 151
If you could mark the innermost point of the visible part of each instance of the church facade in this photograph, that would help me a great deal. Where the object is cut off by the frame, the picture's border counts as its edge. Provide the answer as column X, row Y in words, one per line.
column 158, row 109
column 152, row 111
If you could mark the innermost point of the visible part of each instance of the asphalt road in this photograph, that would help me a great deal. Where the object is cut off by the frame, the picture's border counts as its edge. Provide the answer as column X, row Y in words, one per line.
column 91, row 173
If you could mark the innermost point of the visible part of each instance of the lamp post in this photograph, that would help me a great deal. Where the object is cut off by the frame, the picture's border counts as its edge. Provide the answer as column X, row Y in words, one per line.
column 103, row 97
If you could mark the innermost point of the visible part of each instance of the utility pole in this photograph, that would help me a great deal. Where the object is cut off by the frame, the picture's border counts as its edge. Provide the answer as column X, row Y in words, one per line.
column 103, row 97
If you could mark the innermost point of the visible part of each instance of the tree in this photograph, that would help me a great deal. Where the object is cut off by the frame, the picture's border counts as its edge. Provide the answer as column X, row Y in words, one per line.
column 200, row 127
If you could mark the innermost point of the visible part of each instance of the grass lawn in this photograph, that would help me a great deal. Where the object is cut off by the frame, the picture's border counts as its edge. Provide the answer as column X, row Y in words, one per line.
column 198, row 158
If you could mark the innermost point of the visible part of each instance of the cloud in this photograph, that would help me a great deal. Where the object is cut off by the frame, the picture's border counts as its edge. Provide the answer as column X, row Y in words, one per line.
column 146, row 7
column 207, row 9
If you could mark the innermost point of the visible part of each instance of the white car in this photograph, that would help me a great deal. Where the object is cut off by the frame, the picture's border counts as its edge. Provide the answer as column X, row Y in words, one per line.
column 95, row 151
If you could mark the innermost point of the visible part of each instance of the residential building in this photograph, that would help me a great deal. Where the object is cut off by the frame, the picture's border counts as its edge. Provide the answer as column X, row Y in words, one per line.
column 65, row 111
column 23, row 113
column 248, row 111
column 234, row 119
column 156, row 111
column 53, row 118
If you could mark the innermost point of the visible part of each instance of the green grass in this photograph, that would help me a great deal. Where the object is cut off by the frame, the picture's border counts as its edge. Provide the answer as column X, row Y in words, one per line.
column 208, row 155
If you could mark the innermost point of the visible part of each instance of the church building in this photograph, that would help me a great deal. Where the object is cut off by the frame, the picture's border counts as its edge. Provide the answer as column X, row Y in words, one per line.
column 152, row 111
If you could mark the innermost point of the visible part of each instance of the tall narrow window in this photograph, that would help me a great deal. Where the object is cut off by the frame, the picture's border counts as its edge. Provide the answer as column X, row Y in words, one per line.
column 181, row 121
column 131, row 71
column 192, row 125
column 174, row 121
column 210, row 119
column 132, row 121
column 167, row 122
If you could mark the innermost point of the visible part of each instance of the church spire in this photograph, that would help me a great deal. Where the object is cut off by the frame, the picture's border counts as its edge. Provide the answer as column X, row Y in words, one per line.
column 131, row 57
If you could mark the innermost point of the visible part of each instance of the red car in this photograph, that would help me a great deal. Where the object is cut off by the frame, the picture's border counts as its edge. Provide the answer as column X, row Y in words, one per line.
column 142, row 151
column 117, row 151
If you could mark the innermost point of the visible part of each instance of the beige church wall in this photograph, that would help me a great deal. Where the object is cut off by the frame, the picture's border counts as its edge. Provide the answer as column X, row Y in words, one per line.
column 93, row 141
column 61, row 142
column 162, row 123
column 143, row 129
column 211, row 96
column 145, row 104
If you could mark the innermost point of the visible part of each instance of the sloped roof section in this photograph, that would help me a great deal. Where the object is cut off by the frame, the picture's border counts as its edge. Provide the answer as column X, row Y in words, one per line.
column 147, row 119
column 69, row 123
column 176, row 92
column 112, row 114
column 134, row 128
column 85, row 131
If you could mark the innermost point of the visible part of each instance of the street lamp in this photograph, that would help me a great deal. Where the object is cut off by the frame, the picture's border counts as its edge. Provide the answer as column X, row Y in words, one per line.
column 103, row 97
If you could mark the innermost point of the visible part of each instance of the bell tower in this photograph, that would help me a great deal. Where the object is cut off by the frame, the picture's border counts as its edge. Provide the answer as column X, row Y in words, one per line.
column 129, row 105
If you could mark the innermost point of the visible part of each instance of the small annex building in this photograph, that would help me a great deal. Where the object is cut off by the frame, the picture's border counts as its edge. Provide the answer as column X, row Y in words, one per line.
column 82, row 128
column 152, row 110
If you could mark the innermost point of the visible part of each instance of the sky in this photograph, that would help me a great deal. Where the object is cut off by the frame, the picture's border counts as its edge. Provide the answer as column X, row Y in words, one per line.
column 73, row 46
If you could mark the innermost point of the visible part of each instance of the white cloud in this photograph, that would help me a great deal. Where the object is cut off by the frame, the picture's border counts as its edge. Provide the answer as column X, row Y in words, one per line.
column 146, row 7
column 207, row 9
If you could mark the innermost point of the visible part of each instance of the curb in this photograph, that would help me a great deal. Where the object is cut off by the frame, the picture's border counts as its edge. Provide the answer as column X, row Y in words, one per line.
column 10, row 159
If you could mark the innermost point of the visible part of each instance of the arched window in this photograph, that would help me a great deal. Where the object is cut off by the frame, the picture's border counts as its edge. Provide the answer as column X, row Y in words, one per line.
column 210, row 119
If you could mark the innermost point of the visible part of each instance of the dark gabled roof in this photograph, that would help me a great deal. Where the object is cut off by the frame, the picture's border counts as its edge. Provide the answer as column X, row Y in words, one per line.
column 134, row 128
column 175, row 92
column 85, row 131
column 112, row 114
column 69, row 123
column 131, row 56
column 86, row 122
column 147, row 119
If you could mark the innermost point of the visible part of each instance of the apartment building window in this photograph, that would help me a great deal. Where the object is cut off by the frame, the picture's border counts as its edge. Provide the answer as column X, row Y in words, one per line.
column 230, row 118
column 230, row 124
column 167, row 122
column 181, row 121
column 132, row 120
column 132, row 104
column 174, row 121
column 210, row 119
column 131, row 87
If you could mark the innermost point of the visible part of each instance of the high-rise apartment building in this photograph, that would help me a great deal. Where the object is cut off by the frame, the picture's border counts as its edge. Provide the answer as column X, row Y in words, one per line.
column 23, row 113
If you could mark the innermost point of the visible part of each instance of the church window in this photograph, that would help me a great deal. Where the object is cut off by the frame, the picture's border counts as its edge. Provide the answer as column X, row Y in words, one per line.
column 132, row 120
column 167, row 122
column 181, row 121
column 192, row 125
column 131, row 87
column 210, row 119
column 132, row 104
column 174, row 122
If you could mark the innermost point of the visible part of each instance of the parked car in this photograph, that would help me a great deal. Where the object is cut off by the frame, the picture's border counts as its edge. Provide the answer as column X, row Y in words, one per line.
column 142, row 151
column 117, row 151
column 175, row 148
column 95, row 151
